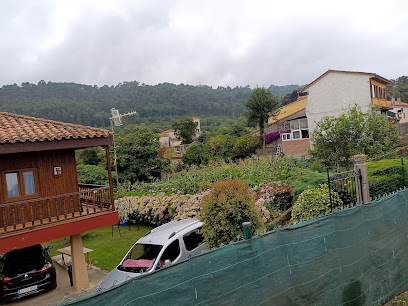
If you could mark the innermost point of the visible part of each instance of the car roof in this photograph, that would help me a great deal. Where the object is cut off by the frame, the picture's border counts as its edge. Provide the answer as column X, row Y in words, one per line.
column 162, row 234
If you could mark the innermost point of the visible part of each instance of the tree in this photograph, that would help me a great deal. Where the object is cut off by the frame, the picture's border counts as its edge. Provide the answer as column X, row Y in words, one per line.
column 336, row 139
column 224, row 209
column 91, row 174
column 245, row 146
column 197, row 155
column 138, row 155
column 221, row 146
column 185, row 129
column 290, row 97
column 260, row 105
column 90, row 156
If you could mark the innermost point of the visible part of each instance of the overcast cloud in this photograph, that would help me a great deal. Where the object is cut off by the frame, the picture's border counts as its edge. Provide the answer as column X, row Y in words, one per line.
column 224, row 43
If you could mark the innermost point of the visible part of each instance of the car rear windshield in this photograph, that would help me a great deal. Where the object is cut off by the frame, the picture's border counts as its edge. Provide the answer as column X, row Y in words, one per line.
column 23, row 260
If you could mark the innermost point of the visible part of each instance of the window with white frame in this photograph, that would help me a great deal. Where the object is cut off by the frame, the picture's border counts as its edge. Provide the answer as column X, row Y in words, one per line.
column 286, row 136
column 299, row 130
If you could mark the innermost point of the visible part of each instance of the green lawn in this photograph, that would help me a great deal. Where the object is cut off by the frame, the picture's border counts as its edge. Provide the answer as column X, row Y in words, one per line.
column 108, row 250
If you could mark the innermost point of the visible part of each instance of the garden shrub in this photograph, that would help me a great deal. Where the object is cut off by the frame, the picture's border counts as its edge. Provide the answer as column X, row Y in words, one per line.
column 245, row 146
column 221, row 146
column 197, row 155
column 276, row 196
column 314, row 202
column 224, row 209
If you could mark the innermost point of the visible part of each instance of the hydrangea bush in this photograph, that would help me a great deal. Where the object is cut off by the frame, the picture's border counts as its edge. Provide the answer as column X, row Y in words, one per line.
column 159, row 208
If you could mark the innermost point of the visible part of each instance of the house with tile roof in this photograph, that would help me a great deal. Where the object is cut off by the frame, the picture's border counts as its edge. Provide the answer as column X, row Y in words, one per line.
column 330, row 94
column 41, row 198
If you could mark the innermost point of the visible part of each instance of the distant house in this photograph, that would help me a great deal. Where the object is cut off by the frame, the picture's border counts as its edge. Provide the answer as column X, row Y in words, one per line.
column 169, row 139
column 329, row 95
column 198, row 126
column 41, row 198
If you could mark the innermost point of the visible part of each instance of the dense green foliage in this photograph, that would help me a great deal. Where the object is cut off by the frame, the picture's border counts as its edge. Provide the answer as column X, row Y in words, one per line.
column 398, row 88
column 221, row 147
column 254, row 171
column 185, row 129
column 138, row 155
column 260, row 105
column 291, row 97
column 337, row 139
column 386, row 176
column 314, row 202
column 92, row 174
column 282, row 90
column 245, row 146
column 224, row 209
column 91, row 156
column 198, row 154
column 237, row 128
column 157, row 105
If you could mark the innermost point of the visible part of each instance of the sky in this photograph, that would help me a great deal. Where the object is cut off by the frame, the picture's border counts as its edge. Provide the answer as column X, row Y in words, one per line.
column 216, row 43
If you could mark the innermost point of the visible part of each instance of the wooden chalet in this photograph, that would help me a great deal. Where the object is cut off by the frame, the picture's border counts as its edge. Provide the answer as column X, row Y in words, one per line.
column 40, row 196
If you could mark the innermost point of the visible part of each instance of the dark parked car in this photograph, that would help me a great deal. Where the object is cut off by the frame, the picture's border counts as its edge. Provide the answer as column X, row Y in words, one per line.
column 26, row 271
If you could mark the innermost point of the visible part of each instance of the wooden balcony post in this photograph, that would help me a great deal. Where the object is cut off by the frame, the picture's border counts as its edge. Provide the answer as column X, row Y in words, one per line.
column 110, row 177
column 79, row 271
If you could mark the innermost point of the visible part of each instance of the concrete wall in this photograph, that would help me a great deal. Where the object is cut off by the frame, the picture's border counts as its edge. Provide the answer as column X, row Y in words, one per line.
column 335, row 93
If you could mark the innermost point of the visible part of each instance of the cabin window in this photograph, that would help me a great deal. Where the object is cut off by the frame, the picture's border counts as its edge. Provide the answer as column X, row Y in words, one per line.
column 20, row 184
column 12, row 184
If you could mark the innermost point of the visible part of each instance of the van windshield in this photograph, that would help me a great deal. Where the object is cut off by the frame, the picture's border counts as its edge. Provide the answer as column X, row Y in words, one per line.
column 141, row 258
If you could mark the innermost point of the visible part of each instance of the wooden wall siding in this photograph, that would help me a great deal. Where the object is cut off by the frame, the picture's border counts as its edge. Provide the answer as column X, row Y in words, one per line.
column 44, row 162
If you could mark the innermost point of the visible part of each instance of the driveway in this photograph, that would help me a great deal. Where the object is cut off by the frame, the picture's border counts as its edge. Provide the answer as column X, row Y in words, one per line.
column 64, row 289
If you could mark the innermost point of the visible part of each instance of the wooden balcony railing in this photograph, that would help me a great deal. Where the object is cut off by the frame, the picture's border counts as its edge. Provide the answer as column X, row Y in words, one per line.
column 91, row 199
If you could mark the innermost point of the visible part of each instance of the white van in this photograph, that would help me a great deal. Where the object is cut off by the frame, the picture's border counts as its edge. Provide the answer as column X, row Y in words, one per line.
column 161, row 247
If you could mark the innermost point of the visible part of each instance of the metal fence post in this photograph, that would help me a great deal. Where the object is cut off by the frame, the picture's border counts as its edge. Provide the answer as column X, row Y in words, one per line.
column 247, row 230
column 329, row 185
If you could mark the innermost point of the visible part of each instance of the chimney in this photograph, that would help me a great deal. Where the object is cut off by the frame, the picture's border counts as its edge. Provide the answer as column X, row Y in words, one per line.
column 399, row 100
column 392, row 100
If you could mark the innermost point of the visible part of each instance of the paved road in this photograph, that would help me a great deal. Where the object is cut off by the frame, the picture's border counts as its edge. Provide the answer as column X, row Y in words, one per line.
column 55, row 297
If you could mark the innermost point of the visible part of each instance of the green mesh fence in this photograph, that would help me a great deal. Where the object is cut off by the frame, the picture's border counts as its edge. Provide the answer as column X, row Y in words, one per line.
column 357, row 256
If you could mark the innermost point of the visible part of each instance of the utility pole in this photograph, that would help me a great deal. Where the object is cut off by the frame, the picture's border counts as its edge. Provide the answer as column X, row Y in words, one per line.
column 116, row 120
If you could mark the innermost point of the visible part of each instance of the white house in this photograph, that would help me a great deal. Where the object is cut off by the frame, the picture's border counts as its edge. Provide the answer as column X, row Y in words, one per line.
column 330, row 94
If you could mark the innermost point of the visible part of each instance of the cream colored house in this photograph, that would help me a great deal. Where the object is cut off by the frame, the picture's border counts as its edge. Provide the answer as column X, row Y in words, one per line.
column 330, row 94
column 169, row 139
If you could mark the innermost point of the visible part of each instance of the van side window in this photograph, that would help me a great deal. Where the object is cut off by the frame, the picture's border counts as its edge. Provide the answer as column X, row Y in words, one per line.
column 193, row 240
column 172, row 251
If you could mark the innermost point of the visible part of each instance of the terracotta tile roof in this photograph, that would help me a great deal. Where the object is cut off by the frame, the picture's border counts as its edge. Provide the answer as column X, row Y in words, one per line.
column 18, row 128
column 166, row 133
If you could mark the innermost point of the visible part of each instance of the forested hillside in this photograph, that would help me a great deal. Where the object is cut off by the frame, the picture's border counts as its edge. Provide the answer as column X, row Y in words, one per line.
column 90, row 105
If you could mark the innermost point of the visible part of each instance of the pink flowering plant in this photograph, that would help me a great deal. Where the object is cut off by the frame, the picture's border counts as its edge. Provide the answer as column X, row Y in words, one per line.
column 160, row 208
